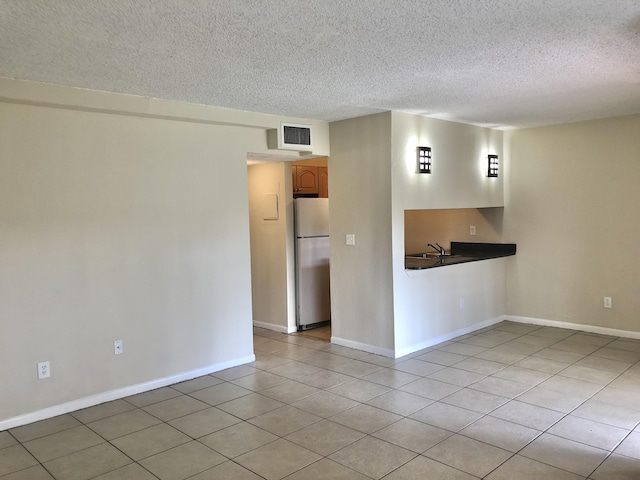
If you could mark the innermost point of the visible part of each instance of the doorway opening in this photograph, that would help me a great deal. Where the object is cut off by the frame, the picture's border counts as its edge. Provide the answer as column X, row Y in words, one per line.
column 272, row 237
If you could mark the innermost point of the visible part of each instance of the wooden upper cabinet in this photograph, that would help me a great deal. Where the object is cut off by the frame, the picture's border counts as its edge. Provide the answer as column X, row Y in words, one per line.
column 305, row 180
column 310, row 180
column 323, row 182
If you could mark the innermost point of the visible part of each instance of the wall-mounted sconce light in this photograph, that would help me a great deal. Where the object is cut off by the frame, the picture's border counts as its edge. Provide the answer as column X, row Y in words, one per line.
column 492, row 170
column 424, row 159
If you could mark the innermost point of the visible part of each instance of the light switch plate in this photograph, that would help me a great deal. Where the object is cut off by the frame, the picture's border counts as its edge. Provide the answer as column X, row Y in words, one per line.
column 351, row 239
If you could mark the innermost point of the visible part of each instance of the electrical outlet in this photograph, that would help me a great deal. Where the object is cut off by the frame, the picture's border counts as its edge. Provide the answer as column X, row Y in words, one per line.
column 44, row 370
column 608, row 302
column 351, row 239
column 117, row 347
column 461, row 303
column 472, row 230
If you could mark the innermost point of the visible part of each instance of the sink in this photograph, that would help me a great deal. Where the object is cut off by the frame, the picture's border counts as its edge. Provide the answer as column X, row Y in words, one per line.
column 430, row 255
column 423, row 255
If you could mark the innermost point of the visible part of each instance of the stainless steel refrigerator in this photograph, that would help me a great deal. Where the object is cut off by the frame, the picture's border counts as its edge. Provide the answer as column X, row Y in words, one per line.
column 312, row 262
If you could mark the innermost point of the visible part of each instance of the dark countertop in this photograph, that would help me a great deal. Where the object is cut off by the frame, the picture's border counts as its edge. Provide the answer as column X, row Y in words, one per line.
column 461, row 252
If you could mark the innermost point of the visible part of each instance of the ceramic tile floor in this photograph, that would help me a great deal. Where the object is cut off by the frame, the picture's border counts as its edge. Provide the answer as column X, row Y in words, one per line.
column 319, row 333
column 511, row 401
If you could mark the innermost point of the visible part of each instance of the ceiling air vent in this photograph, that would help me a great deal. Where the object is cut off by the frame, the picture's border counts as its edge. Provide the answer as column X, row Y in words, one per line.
column 290, row 136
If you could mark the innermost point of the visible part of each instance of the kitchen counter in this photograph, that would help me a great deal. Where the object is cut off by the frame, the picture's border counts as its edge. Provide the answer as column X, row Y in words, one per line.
column 461, row 252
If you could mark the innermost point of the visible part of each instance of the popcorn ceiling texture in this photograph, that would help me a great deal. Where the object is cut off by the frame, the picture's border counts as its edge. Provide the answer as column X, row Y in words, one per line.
column 501, row 63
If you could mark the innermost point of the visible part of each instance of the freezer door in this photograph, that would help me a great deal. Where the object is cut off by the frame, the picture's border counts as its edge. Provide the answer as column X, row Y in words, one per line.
column 311, row 217
column 312, row 285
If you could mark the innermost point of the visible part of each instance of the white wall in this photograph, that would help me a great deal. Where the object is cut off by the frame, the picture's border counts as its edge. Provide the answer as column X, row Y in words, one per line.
column 573, row 196
column 361, row 280
column 120, row 218
column 459, row 164
column 426, row 304
column 376, row 304
column 272, row 247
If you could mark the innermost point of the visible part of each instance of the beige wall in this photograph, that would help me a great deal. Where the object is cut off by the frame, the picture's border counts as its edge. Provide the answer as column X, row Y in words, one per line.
column 120, row 218
column 572, row 198
column 33, row 93
column 361, row 288
column 446, row 225
column 272, row 249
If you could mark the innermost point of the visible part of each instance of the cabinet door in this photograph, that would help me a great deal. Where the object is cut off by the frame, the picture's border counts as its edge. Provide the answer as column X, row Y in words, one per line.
column 323, row 182
column 305, row 180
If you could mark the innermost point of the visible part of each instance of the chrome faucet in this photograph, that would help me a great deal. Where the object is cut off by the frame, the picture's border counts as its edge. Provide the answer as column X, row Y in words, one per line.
column 439, row 248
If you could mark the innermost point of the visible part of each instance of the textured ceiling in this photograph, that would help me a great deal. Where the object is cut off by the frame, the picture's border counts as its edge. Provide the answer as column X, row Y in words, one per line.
column 501, row 63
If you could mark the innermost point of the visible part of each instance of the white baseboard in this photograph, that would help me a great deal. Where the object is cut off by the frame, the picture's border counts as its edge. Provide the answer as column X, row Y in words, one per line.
column 365, row 347
column 573, row 326
column 274, row 327
column 463, row 331
column 419, row 346
column 117, row 393
column 448, row 336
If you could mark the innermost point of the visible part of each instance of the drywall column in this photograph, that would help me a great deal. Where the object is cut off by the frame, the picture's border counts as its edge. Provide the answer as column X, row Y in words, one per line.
column 361, row 281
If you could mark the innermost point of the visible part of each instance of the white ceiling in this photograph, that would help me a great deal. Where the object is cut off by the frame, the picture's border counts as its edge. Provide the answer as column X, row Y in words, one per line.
column 500, row 63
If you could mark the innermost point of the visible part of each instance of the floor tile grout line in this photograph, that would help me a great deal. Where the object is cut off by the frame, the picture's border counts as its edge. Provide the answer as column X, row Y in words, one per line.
column 487, row 414
column 559, row 420
column 538, row 434
column 547, row 430
column 550, row 426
